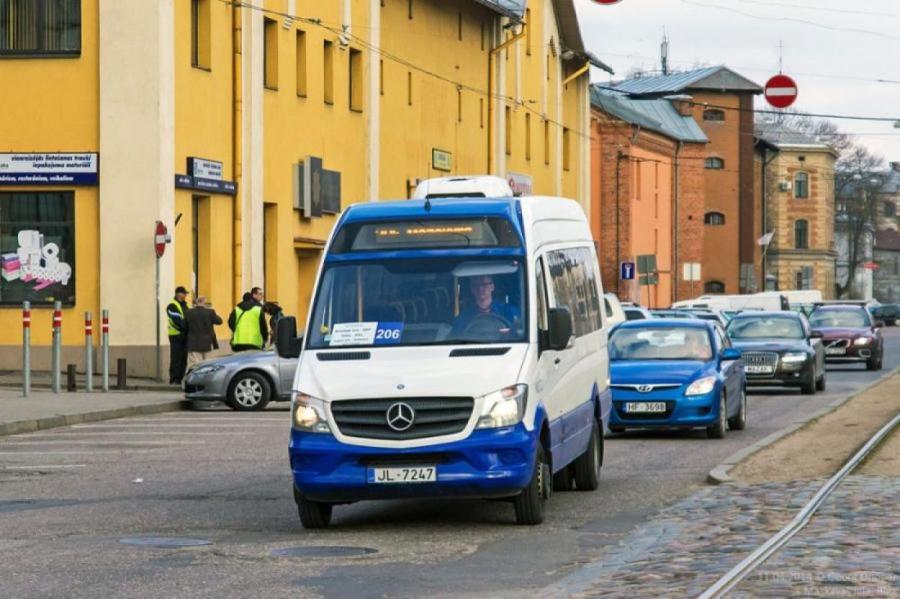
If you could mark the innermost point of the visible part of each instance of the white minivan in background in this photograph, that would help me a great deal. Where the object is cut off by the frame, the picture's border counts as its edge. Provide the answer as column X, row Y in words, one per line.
column 454, row 347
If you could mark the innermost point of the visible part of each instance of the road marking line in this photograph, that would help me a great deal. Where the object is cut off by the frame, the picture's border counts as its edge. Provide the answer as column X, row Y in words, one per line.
column 15, row 453
column 101, row 433
column 16, row 442
column 43, row 467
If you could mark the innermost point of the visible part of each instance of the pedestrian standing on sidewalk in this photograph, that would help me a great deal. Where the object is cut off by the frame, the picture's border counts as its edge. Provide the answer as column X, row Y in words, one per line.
column 175, row 312
column 201, row 332
column 248, row 322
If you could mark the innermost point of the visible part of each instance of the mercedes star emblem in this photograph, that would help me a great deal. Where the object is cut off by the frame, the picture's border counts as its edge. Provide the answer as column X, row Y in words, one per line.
column 400, row 416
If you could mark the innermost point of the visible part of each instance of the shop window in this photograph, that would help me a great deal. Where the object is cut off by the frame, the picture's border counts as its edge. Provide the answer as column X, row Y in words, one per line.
column 301, row 63
column 801, row 234
column 34, row 27
column 200, row 32
column 714, row 287
column 270, row 54
column 37, row 248
column 566, row 150
column 714, row 115
column 801, row 185
column 356, row 80
column 714, row 163
column 328, row 71
column 714, row 218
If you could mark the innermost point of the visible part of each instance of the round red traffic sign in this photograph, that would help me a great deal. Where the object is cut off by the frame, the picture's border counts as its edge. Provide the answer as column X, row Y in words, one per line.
column 159, row 239
column 781, row 91
column 607, row 1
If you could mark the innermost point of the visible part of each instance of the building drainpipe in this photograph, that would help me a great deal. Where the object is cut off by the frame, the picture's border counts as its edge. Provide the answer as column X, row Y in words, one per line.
column 675, row 278
column 763, row 209
column 236, row 143
column 490, row 91
column 619, row 157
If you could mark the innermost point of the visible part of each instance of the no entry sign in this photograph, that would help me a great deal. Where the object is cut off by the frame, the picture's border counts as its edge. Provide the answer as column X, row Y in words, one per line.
column 781, row 91
column 160, row 239
column 607, row 1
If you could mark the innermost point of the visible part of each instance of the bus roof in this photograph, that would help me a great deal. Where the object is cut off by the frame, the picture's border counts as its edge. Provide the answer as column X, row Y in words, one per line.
column 439, row 208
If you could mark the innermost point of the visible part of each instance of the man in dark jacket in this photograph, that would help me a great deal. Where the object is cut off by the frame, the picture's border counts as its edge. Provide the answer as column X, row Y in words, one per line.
column 201, row 334
column 175, row 312
column 248, row 322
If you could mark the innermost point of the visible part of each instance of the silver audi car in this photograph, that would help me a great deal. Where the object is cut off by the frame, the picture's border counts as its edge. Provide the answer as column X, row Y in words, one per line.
column 244, row 381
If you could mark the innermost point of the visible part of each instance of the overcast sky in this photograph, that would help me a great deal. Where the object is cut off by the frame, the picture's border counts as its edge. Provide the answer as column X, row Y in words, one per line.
column 834, row 49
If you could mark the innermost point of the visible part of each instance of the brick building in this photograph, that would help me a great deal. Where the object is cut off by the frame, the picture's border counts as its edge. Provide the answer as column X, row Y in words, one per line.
column 647, row 195
column 722, row 102
column 886, row 278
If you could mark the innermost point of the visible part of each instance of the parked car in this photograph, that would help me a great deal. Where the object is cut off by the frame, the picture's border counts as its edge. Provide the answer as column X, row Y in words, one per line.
column 779, row 349
column 636, row 312
column 850, row 334
column 667, row 373
column 713, row 315
column 888, row 313
column 244, row 381
column 672, row 314
column 614, row 312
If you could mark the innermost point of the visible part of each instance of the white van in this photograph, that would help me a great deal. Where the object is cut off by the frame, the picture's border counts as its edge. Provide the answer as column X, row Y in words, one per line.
column 454, row 347
column 614, row 312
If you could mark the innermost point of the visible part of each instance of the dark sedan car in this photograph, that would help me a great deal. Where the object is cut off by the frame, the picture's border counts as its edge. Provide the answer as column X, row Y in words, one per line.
column 779, row 349
column 888, row 313
column 849, row 334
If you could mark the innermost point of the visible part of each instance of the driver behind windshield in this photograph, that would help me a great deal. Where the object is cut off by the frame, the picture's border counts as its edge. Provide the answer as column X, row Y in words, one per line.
column 483, row 307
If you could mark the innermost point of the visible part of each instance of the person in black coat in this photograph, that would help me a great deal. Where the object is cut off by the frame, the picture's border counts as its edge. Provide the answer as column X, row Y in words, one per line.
column 201, row 334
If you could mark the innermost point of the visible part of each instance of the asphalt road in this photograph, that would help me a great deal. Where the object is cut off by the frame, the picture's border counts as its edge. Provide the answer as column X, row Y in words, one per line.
column 70, row 496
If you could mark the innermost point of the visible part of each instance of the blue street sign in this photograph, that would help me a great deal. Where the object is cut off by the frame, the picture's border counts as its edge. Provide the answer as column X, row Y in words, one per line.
column 627, row 271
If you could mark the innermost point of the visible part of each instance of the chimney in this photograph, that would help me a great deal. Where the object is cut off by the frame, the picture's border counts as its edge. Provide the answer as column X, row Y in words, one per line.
column 683, row 103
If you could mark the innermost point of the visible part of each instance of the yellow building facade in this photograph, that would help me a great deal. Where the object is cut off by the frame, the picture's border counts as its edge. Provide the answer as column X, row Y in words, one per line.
column 246, row 128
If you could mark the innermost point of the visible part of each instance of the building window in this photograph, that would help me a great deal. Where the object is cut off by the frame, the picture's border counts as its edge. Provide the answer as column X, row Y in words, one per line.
column 714, row 218
column 801, row 234
column 527, row 137
column 714, row 287
column 301, row 63
column 200, row 29
column 409, row 9
column 37, row 248
column 508, row 114
column 567, row 152
column 36, row 27
column 458, row 104
column 328, row 71
column 270, row 54
column 459, row 28
column 714, row 163
column 890, row 209
column 356, row 80
column 801, row 185
column 481, row 112
column 714, row 114
column 804, row 278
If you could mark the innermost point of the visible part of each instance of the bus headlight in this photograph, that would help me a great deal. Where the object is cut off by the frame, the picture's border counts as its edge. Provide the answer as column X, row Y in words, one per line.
column 504, row 407
column 308, row 414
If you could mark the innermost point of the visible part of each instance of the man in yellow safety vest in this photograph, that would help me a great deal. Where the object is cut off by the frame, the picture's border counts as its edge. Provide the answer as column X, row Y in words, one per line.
column 248, row 322
column 177, row 335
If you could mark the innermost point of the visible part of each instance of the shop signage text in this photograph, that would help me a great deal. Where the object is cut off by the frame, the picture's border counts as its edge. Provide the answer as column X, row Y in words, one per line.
column 201, row 168
column 441, row 160
column 18, row 168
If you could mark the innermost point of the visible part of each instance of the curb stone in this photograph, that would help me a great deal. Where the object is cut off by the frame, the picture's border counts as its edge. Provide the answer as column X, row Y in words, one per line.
column 719, row 474
column 36, row 424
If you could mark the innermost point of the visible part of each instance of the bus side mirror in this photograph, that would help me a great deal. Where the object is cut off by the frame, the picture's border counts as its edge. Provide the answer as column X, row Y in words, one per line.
column 559, row 328
column 287, row 343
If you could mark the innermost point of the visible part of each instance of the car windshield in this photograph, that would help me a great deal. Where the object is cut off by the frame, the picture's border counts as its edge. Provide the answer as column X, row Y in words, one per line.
column 423, row 301
column 763, row 327
column 634, row 315
column 838, row 318
column 662, row 343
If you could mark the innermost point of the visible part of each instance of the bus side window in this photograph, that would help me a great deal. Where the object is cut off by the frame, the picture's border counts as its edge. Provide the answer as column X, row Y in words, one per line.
column 540, row 288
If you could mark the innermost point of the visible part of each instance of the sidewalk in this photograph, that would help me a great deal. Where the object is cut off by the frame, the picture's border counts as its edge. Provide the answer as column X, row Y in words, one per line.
column 12, row 379
column 44, row 409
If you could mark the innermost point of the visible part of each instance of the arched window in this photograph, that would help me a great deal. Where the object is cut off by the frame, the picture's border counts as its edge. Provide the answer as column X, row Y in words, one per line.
column 713, row 114
column 713, row 162
column 890, row 209
column 714, row 218
column 801, row 234
column 714, row 287
column 801, row 185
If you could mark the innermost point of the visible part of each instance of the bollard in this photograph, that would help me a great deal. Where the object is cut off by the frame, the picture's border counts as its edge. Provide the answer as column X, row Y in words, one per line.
column 120, row 374
column 70, row 378
column 56, row 348
column 88, row 353
column 104, row 345
column 26, row 349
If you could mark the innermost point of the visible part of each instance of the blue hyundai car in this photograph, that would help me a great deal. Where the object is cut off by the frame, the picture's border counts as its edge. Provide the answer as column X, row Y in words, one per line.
column 676, row 373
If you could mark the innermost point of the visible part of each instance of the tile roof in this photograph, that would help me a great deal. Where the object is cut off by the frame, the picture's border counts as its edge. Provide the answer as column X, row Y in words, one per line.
column 719, row 78
column 783, row 136
column 657, row 115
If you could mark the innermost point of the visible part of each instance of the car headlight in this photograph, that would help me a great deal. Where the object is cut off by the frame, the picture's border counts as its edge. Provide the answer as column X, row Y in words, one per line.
column 504, row 407
column 863, row 341
column 701, row 386
column 793, row 357
column 206, row 370
column 308, row 414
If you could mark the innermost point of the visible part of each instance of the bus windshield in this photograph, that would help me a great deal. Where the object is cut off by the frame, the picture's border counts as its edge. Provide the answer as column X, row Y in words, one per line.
column 420, row 301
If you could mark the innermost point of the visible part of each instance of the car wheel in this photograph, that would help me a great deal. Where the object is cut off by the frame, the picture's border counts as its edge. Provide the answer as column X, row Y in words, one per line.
column 809, row 385
column 249, row 391
column 873, row 364
column 562, row 480
column 314, row 514
column 739, row 422
column 717, row 431
column 530, row 503
column 587, row 465
column 820, row 383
